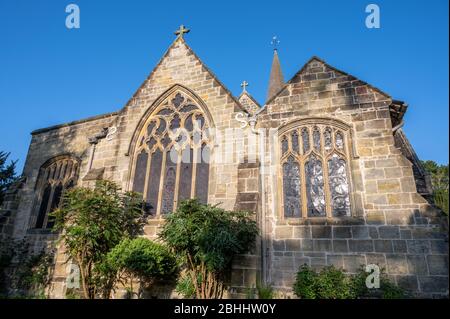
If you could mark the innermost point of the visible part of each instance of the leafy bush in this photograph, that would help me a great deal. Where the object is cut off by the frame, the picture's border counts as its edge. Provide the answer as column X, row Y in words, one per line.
column 329, row 283
column 92, row 222
column 143, row 259
column 387, row 290
column 34, row 274
column 265, row 292
column 207, row 238
column 332, row 283
column 185, row 286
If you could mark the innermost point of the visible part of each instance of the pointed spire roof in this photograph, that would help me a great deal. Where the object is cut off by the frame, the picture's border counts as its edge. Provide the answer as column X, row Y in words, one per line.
column 276, row 80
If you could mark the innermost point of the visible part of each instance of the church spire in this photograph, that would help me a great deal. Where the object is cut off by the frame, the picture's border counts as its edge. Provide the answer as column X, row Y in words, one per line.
column 276, row 80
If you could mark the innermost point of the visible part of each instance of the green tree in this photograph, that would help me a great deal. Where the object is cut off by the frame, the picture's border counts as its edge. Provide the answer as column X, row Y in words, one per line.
column 92, row 222
column 141, row 259
column 207, row 238
column 7, row 174
column 440, row 183
column 439, row 174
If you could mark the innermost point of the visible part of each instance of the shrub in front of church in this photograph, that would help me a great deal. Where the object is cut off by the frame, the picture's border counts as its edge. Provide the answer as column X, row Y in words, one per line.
column 333, row 283
column 329, row 283
column 207, row 238
column 92, row 221
column 387, row 290
column 141, row 260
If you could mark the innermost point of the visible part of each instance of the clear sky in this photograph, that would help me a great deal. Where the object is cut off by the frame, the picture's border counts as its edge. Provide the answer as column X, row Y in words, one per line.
column 50, row 74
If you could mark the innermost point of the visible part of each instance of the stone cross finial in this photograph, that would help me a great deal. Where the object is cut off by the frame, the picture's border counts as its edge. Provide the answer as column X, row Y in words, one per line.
column 244, row 86
column 275, row 42
column 181, row 31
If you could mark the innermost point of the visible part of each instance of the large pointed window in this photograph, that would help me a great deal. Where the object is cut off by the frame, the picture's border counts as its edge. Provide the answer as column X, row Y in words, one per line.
column 171, row 161
column 314, row 168
column 56, row 176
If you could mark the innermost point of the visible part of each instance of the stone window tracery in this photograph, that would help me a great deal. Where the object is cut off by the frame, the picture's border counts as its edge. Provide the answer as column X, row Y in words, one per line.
column 315, row 171
column 54, row 178
column 171, row 161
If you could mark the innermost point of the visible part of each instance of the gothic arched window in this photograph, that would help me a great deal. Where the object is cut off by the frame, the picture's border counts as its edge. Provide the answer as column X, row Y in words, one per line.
column 171, row 160
column 314, row 168
column 54, row 178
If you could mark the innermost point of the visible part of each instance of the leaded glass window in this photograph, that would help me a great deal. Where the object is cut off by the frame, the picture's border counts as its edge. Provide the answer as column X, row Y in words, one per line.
column 315, row 182
column 55, row 176
column 291, row 188
column 339, row 189
column 171, row 161
column 314, row 187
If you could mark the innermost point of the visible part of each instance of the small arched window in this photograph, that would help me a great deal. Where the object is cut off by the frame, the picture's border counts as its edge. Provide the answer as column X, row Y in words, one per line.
column 314, row 169
column 171, row 160
column 55, row 176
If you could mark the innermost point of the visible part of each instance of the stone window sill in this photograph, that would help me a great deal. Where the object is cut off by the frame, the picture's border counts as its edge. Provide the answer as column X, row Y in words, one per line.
column 323, row 221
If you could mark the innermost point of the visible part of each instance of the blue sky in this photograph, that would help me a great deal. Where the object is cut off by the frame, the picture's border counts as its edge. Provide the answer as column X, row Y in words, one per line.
column 50, row 74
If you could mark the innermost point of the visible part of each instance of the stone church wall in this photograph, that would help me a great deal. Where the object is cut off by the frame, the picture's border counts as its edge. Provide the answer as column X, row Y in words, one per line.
column 391, row 224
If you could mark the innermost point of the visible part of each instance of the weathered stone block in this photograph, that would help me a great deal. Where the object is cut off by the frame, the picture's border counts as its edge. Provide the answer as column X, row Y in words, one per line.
column 438, row 264
column 417, row 264
column 302, row 232
column 352, row 264
column 376, row 259
column 418, row 246
column 360, row 232
column 399, row 246
column 434, row 284
column 342, row 232
column 439, row 246
column 396, row 264
column 283, row 232
column 292, row 244
column 383, row 246
column 409, row 283
column 321, row 231
column 340, row 246
column 322, row 245
column 360, row 245
column 307, row 244
column 389, row 232
column 278, row 245
column 335, row 260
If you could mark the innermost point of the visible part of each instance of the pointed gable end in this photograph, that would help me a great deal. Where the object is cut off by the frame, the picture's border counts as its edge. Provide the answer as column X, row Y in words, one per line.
column 249, row 103
column 180, row 65
column 319, row 82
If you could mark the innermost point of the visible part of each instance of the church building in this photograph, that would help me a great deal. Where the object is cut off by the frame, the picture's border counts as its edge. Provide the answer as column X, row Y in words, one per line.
column 324, row 164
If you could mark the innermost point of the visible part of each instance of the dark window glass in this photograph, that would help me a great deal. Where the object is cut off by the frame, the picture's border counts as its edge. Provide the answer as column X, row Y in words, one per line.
column 294, row 141
column 153, row 181
column 339, row 189
column 202, row 176
column 55, row 204
column 284, row 145
column 185, row 175
column 141, row 169
column 291, row 188
column 305, row 140
column 43, row 206
column 169, row 182
column 314, row 187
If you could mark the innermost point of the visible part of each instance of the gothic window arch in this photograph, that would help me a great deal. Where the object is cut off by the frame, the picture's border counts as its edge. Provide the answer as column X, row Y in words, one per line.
column 171, row 157
column 315, row 172
column 55, row 176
